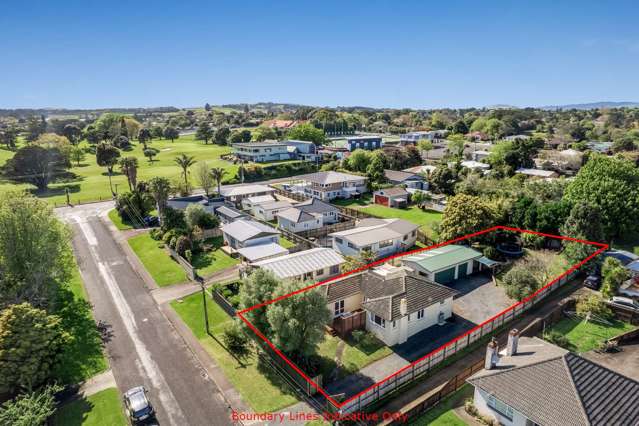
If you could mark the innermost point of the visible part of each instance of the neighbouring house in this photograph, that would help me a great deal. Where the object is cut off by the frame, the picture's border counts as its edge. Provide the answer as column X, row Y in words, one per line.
column 395, row 303
column 479, row 155
column 302, row 150
column 259, row 252
column 413, row 138
column 250, row 202
column 477, row 136
column 307, row 215
column 601, row 147
column 245, row 233
column 267, row 211
column 237, row 193
column 516, row 137
column 383, row 237
column 408, row 179
column 369, row 143
column 260, row 152
column 475, row 165
column 315, row 264
column 392, row 197
column 538, row 173
column 565, row 161
column 533, row 382
column 330, row 185
column 209, row 204
column 425, row 170
column 281, row 124
column 447, row 263
column 228, row 214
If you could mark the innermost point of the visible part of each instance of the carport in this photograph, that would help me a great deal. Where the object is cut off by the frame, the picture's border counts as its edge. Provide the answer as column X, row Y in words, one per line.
column 446, row 264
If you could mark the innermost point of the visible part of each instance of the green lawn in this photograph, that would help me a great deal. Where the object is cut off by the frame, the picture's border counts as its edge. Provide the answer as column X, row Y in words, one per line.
column 92, row 182
column 286, row 243
column 207, row 263
column 164, row 270
column 260, row 388
column 584, row 336
column 118, row 222
column 355, row 356
column 442, row 414
column 424, row 218
column 100, row 409
column 83, row 356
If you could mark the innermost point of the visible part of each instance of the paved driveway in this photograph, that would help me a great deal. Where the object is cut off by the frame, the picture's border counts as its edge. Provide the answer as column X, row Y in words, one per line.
column 479, row 298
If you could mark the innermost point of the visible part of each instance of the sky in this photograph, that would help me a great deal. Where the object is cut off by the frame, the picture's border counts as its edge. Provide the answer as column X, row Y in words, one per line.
column 413, row 54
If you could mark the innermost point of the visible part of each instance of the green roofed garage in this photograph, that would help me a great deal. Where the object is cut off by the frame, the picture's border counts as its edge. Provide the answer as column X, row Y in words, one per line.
column 445, row 264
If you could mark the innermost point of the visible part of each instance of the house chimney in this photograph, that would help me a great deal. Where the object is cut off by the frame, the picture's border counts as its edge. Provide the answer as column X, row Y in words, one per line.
column 513, row 340
column 491, row 354
column 403, row 307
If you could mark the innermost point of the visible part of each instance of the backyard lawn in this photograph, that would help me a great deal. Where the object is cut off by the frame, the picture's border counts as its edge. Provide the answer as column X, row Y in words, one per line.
column 260, row 388
column 207, row 263
column 355, row 355
column 102, row 408
column 443, row 414
column 584, row 336
column 164, row 270
column 92, row 182
column 286, row 243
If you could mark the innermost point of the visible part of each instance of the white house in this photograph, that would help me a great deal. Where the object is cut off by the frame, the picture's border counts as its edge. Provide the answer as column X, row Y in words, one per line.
column 383, row 237
column 248, row 203
column 397, row 304
column 267, row 211
column 445, row 264
column 260, row 152
column 329, row 185
column 261, row 252
column 307, row 215
column 237, row 193
column 315, row 264
column 245, row 233
column 532, row 382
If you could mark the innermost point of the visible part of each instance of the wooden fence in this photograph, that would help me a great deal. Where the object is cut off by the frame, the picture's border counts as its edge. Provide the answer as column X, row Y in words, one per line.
column 223, row 303
column 191, row 272
column 327, row 229
column 345, row 324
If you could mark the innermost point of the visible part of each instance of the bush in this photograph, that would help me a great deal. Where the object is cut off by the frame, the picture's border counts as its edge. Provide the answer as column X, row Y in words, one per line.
column 168, row 235
column 492, row 253
column 134, row 206
column 358, row 335
column 594, row 305
column 196, row 216
column 188, row 255
column 236, row 340
column 156, row 234
column 172, row 219
column 533, row 241
column 183, row 244
column 173, row 242
column 558, row 339
column 519, row 283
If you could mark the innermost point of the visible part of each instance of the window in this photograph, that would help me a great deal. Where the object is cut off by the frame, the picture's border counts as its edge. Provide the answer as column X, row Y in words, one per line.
column 351, row 245
column 339, row 308
column 367, row 248
column 335, row 269
column 339, row 240
column 319, row 272
column 386, row 243
column 414, row 233
column 378, row 320
column 420, row 314
column 408, row 317
column 405, row 237
column 394, row 324
column 501, row 407
column 308, row 275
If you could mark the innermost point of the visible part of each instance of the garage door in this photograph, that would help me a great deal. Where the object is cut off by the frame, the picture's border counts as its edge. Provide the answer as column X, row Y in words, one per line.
column 462, row 270
column 446, row 276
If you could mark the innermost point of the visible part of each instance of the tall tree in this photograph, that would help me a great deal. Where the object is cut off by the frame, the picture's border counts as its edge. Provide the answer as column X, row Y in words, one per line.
column 584, row 223
column 30, row 409
column 77, row 155
column 218, row 174
column 36, row 165
column 144, row 136
column 107, row 156
column 129, row 167
column 9, row 136
column 31, row 343
column 425, row 145
column 171, row 133
column 204, row 132
column 465, row 214
column 614, row 274
column 160, row 188
column 185, row 162
column 72, row 133
column 222, row 135
column 375, row 169
column 307, row 132
column 34, row 250
column 257, row 288
column 204, row 177
column 35, row 127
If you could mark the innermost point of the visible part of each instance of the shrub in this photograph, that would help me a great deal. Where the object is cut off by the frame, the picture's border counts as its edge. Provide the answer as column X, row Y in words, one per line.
column 236, row 340
column 533, row 241
column 133, row 206
column 492, row 253
column 593, row 305
column 196, row 216
column 156, row 234
column 558, row 339
column 173, row 218
column 173, row 242
column 358, row 335
column 183, row 244
column 168, row 235
column 519, row 283
column 188, row 255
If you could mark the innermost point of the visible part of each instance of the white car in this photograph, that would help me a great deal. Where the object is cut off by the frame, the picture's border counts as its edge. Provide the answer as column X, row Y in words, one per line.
column 624, row 302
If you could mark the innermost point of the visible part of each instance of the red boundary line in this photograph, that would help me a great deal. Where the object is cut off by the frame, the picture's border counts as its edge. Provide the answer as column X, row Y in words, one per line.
column 240, row 314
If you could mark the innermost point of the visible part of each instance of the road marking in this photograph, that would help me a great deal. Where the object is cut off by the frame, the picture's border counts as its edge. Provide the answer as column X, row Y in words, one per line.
column 145, row 362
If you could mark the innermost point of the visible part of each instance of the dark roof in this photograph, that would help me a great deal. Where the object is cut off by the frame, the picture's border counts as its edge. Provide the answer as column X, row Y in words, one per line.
column 396, row 191
column 400, row 176
column 230, row 212
column 552, row 386
column 343, row 288
column 295, row 215
column 315, row 206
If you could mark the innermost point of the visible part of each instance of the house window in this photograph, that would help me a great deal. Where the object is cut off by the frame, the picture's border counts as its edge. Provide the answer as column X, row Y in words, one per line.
column 405, row 237
column 367, row 248
column 339, row 240
column 408, row 317
column 335, row 269
column 351, row 245
column 413, row 233
column 319, row 272
column 501, row 407
column 394, row 324
column 378, row 320
column 386, row 243
column 420, row 314
column 339, row 308
column 308, row 275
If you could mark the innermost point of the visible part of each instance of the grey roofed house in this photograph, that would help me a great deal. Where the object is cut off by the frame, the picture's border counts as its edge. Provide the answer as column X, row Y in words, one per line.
column 209, row 204
column 243, row 230
column 553, row 387
column 295, row 215
column 229, row 214
column 371, row 230
column 396, row 191
column 397, row 176
column 330, row 177
column 262, row 251
column 246, row 190
column 302, row 262
column 315, row 205
column 275, row 204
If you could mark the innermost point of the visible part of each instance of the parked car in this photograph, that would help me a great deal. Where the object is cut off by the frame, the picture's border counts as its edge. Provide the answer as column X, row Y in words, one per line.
column 137, row 404
column 624, row 302
column 593, row 282
column 151, row 221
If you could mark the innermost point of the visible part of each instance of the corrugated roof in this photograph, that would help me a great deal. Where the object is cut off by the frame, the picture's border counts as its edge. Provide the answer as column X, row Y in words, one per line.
column 401, row 176
column 243, row 230
column 260, row 199
column 330, row 177
column 554, row 387
column 371, row 230
column 443, row 257
column 262, row 251
column 315, row 205
column 271, row 205
column 295, row 215
column 396, row 191
column 230, row 212
column 299, row 263
column 246, row 189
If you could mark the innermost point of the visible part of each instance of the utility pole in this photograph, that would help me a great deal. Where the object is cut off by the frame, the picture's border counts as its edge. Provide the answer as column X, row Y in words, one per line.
column 206, row 312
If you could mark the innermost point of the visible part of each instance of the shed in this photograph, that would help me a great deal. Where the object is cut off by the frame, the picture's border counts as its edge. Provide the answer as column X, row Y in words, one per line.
column 445, row 264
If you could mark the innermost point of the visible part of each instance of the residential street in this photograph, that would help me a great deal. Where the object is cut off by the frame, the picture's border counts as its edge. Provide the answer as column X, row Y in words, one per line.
column 144, row 348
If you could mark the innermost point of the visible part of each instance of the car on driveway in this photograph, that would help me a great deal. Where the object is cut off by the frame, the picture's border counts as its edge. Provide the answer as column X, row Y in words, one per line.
column 137, row 404
column 593, row 282
column 625, row 302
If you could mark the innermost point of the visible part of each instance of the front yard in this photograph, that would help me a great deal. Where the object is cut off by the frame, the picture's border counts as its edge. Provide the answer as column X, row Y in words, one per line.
column 583, row 336
column 352, row 355
column 102, row 408
column 213, row 259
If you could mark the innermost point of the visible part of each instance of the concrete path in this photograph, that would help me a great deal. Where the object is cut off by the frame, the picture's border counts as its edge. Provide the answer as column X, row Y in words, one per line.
column 176, row 291
column 97, row 383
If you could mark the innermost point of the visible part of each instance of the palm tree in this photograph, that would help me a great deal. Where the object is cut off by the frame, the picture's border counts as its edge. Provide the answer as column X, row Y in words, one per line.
column 129, row 167
column 218, row 173
column 185, row 161
column 160, row 189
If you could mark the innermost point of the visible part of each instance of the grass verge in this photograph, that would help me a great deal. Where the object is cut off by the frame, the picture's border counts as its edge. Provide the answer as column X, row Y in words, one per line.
column 102, row 408
column 164, row 270
column 118, row 222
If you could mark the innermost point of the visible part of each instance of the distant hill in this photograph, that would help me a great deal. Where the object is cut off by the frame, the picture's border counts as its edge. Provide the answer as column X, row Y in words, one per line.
column 594, row 105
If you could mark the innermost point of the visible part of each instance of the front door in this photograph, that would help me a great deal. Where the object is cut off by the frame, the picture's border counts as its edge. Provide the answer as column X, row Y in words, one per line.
column 462, row 270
